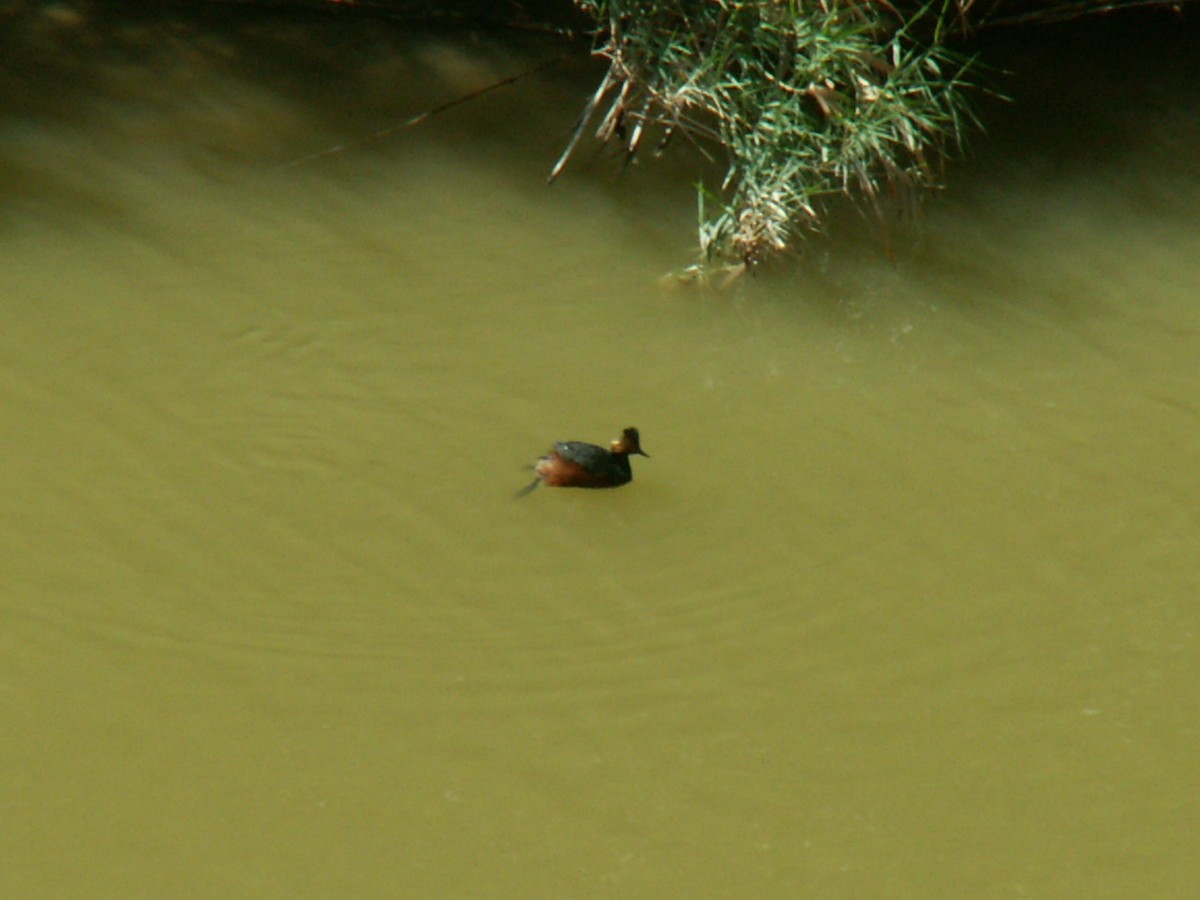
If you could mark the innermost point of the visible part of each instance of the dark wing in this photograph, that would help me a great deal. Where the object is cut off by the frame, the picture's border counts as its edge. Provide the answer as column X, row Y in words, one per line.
column 587, row 456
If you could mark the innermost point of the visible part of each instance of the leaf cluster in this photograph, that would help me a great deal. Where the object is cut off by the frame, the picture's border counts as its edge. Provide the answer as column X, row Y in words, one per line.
column 807, row 100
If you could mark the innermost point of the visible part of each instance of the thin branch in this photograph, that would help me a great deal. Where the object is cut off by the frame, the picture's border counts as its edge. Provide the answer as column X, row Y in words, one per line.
column 421, row 117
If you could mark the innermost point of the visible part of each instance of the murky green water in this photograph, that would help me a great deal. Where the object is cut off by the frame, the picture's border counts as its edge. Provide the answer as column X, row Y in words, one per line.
column 904, row 605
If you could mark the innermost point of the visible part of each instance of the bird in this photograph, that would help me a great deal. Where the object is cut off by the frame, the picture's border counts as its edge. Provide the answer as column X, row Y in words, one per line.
column 579, row 464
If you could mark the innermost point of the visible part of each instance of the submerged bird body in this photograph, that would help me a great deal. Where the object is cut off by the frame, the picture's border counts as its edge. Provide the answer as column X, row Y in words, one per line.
column 578, row 464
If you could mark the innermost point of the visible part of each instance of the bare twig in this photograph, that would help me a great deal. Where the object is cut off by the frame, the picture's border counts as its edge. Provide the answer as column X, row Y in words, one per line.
column 421, row 117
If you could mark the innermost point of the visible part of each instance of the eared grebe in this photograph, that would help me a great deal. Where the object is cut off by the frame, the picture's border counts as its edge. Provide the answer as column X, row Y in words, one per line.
column 576, row 464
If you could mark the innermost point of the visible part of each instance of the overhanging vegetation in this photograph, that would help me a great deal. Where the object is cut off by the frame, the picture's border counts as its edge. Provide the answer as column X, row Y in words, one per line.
column 804, row 99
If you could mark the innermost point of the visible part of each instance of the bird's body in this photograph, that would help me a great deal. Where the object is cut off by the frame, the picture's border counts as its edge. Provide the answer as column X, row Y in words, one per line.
column 579, row 464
